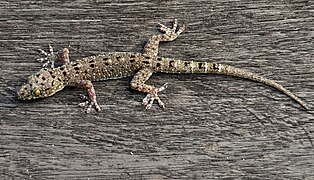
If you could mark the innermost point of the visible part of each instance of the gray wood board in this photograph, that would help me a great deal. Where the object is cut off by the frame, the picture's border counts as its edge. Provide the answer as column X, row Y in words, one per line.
column 213, row 126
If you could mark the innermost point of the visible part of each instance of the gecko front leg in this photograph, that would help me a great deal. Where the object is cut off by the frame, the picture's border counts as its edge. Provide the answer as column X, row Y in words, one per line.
column 138, row 83
column 51, row 57
column 90, row 101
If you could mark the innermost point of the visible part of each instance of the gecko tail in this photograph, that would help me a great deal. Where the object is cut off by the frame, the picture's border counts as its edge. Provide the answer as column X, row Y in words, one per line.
column 178, row 66
column 233, row 71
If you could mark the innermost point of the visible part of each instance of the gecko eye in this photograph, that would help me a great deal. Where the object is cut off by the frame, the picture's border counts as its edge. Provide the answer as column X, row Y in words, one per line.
column 36, row 92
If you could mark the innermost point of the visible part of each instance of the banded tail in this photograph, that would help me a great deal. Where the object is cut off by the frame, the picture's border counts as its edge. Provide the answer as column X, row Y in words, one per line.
column 168, row 65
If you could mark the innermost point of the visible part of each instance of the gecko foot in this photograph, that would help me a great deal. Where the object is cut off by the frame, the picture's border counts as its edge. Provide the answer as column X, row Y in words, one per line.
column 172, row 33
column 149, row 99
column 50, row 57
column 88, row 104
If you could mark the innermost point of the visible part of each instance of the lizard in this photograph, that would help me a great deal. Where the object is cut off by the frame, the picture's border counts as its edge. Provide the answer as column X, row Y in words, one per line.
column 141, row 66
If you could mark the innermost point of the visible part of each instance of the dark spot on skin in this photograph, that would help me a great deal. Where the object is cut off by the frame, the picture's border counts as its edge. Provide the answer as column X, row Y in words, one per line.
column 91, row 61
column 186, row 64
column 37, row 75
column 76, row 68
column 158, row 65
column 216, row 66
column 53, row 76
column 59, row 79
column 159, row 59
column 105, row 59
column 43, row 78
column 200, row 65
column 118, row 58
column 147, row 57
column 75, row 64
column 132, row 61
column 92, row 65
column 106, row 63
column 112, row 70
column 132, row 56
column 64, row 73
column 171, row 63
column 62, row 68
column 85, row 72
column 146, row 62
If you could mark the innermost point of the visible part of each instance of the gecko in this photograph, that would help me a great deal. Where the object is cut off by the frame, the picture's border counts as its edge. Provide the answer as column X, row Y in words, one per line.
column 141, row 66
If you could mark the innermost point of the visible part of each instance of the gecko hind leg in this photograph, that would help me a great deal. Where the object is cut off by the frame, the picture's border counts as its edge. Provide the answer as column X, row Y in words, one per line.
column 170, row 34
column 51, row 57
column 138, row 83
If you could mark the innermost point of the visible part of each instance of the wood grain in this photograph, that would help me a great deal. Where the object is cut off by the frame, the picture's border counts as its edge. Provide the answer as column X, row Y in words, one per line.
column 212, row 127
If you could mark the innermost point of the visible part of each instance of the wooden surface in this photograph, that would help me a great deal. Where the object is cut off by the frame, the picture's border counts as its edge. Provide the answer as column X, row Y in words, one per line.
column 213, row 126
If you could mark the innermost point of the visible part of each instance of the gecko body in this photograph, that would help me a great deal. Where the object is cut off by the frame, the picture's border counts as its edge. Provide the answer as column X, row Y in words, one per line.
column 141, row 66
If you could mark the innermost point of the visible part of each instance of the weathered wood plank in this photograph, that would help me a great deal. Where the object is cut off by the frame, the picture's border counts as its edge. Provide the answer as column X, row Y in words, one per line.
column 212, row 127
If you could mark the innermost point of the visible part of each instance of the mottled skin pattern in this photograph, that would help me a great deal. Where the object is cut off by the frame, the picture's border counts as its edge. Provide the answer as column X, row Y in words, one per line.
column 82, row 72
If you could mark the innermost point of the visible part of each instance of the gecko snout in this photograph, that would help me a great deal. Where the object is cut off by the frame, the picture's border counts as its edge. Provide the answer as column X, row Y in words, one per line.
column 24, row 93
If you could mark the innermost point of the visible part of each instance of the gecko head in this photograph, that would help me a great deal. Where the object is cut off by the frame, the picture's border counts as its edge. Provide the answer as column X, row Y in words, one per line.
column 40, row 85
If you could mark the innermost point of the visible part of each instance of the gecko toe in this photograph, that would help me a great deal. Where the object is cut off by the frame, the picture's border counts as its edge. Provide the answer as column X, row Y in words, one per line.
column 149, row 100
column 151, row 97
column 171, row 32
column 88, row 105
column 49, row 57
